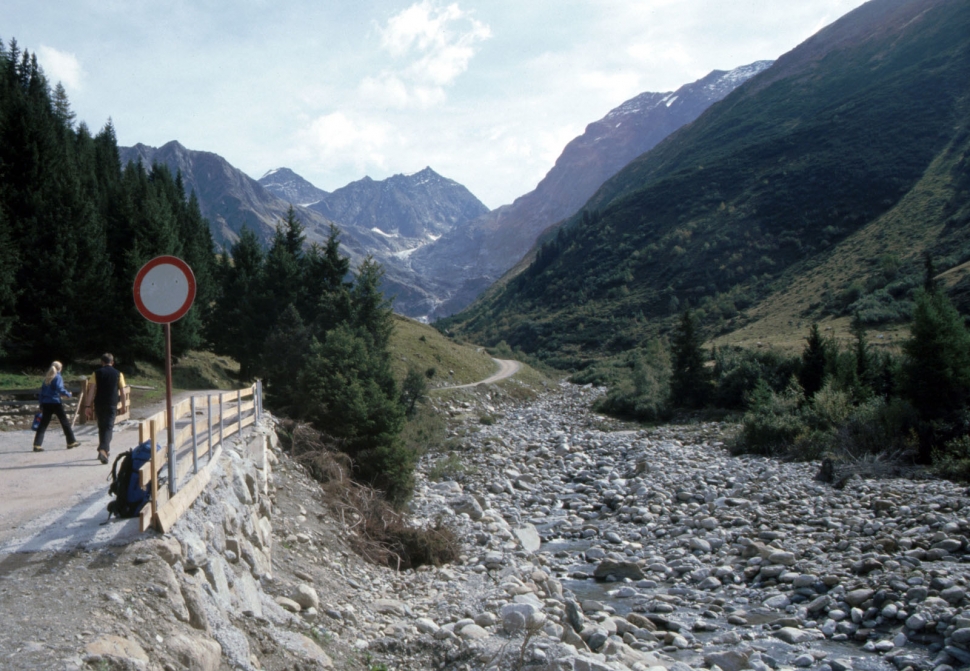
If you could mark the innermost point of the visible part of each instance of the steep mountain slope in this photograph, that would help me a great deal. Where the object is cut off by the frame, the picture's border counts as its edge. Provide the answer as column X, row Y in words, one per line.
column 292, row 188
column 421, row 205
column 228, row 198
column 391, row 219
column 762, row 187
column 470, row 258
column 388, row 219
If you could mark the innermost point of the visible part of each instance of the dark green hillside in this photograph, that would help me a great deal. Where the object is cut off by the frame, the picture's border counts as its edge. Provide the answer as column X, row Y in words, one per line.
column 765, row 185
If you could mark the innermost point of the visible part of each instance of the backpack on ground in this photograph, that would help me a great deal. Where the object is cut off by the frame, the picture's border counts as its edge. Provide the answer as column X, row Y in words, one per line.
column 129, row 497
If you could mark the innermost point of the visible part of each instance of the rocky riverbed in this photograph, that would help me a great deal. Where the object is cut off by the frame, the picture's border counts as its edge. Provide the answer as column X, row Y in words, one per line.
column 586, row 545
column 632, row 549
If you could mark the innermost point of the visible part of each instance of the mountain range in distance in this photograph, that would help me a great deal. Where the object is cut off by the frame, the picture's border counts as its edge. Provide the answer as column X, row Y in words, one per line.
column 439, row 245
column 810, row 193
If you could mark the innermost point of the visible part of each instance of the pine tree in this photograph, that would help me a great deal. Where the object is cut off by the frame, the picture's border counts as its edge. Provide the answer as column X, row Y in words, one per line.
column 690, row 381
column 8, row 292
column 284, row 276
column 346, row 390
column 372, row 312
column 235, row 326
column 815, row 359
column 284, row 356
column 326, row 298
column 936, row 370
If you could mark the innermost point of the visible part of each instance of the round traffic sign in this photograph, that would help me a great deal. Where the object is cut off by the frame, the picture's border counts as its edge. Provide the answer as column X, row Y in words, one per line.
column 164, row 289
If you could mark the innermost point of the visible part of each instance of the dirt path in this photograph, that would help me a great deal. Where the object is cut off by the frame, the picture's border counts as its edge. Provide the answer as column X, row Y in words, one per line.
column 506, row 368
column 57, row 498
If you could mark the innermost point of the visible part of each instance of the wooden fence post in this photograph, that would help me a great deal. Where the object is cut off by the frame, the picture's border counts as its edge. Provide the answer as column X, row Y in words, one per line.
column 239, row 412
column 195, row 440
column 221, row 410
column 209, row 424
column 153, row 436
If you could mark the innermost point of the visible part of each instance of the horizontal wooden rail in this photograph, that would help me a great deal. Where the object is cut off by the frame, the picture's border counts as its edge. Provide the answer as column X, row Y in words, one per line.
column 201, row 424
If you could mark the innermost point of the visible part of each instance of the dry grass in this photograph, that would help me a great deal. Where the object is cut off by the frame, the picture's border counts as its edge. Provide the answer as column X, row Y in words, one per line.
column 378, row 533
column 419, row 346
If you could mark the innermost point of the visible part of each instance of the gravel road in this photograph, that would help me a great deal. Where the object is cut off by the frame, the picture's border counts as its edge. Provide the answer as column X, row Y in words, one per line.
column 57, row 499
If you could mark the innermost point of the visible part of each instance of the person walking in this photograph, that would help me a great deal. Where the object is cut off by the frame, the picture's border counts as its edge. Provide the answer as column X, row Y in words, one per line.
column 108, row 381
column 50, row 404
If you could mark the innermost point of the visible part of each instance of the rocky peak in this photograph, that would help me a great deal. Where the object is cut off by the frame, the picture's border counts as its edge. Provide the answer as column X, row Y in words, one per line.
column 291, row 187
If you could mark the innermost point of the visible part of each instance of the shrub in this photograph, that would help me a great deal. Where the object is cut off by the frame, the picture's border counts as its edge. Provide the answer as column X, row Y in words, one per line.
column 880, row 307
column 875, row 427
column 829, row 408
column 645, row 394
column 737, row 372
column 953, row 461
column 773, row 422
column 449, row 467
column 425, row 432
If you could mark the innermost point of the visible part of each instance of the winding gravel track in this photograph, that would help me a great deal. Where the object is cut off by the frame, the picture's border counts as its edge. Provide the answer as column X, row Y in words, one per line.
column 507, row 368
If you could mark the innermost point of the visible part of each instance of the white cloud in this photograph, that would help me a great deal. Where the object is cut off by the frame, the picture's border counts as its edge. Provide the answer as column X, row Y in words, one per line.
column 337, row 139
column 60, row 66
column 432, row 46
column 390, row 90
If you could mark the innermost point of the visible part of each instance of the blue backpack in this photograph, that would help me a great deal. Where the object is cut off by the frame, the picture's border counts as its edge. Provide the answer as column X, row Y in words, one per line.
column 129, row 497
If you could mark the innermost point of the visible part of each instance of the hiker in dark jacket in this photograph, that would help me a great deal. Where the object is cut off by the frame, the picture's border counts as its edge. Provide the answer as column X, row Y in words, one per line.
column 108, row 381
column 50, row 404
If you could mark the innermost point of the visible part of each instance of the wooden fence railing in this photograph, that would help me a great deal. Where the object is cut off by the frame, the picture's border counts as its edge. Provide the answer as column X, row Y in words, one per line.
column 223, row 415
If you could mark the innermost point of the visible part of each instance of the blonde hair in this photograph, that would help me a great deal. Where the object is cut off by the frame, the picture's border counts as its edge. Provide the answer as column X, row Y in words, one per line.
column 52, row 373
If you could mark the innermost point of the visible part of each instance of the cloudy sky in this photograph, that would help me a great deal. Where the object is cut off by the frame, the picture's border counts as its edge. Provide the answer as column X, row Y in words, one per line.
column 486, row 92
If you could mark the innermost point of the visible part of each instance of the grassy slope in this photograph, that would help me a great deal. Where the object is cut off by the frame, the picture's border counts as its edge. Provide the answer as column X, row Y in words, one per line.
column 783, row 187
column 420, row 346
column 917, row 224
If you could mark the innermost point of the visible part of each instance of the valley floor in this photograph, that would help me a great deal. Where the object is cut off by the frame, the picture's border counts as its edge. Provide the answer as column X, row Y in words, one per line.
column 586, row 544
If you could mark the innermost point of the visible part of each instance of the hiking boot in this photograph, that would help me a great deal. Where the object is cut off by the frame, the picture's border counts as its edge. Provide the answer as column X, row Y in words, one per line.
column 38, row 448
column 71, row 446
column 102, row 456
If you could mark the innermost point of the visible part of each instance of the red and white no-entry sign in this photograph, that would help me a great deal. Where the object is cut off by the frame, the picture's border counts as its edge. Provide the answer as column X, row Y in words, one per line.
column 164, row 289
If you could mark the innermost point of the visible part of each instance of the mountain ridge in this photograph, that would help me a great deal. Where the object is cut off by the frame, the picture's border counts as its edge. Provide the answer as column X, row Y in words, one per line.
column 724, row 212
column 480, row 253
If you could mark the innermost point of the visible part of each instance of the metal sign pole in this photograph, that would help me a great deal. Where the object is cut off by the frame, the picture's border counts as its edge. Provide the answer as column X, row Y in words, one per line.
column 172, row 485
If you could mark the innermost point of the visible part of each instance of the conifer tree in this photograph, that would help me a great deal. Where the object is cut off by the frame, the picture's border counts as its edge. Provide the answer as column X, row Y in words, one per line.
column 233, row 329
column 284, row 356
column 690, row 381
column 815, row 359
column 8, row 293
column 936, row 370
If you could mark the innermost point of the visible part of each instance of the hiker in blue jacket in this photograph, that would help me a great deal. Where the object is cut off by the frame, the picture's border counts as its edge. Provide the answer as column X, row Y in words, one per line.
column 50, row 404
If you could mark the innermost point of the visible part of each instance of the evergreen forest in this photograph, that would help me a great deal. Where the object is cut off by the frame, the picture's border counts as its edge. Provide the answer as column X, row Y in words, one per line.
column 76, row 226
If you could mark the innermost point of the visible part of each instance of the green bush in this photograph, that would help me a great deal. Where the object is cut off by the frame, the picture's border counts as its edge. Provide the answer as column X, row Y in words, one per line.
column 953, row 460
column 449, row 467
column 645, row 394
column 829, row 408
column 773, row 422
column 877, row 426
column 737, row 371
